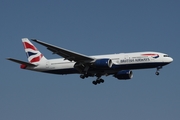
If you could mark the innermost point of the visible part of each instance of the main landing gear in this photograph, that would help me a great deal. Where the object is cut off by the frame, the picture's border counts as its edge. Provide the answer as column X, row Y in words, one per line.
column 95, row 82
column 98, row 81
column 158, row 69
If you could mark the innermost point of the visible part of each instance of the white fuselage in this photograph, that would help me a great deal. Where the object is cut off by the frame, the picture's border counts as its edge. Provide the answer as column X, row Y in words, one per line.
column 121, row 61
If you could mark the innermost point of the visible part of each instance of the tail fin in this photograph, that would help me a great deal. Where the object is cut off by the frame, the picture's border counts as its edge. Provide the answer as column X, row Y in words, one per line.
column 33, row 54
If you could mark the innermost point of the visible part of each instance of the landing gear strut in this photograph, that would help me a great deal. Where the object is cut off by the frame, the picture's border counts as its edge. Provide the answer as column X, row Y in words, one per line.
column 158, row 69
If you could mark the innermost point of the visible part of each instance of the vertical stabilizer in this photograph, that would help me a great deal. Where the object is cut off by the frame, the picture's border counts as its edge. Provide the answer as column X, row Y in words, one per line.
column 33, row 54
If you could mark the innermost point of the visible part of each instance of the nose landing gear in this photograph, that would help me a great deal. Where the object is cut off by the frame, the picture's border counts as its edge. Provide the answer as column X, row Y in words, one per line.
column 158, row 69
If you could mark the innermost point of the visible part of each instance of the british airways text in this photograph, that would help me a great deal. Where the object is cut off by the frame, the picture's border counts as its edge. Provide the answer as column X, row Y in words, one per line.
column 134, row 60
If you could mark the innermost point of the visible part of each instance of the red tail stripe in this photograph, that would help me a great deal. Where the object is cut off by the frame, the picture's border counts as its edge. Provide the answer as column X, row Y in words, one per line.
column 29, row 46
column 36, row 59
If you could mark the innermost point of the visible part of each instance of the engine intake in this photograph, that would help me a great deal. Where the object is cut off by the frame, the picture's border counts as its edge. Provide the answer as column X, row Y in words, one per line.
column 103, row 63
column 124, row 74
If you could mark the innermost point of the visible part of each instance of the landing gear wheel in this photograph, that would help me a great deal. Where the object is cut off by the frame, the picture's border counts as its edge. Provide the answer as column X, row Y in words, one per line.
column 157, row 73
column 94, row 82
column 82, row 76
column 101, row 80
column 98, row 81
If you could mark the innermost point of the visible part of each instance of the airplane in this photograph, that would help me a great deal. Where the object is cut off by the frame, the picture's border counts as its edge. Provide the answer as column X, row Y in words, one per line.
column 119, row 65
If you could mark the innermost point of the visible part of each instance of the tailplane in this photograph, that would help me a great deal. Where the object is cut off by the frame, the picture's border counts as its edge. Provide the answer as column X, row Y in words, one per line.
column 33, row 54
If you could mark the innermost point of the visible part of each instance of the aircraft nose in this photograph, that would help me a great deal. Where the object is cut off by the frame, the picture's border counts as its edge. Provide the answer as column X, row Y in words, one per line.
column 170, row 59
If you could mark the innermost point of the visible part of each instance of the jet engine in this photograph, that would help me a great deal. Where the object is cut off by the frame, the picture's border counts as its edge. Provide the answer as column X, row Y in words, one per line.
column 103, row 63
column 124, row 74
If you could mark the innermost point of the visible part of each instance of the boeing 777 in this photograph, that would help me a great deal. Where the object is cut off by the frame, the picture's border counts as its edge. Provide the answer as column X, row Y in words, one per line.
column 119, row 65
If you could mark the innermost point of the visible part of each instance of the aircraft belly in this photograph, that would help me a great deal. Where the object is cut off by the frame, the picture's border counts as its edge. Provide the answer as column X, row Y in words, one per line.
column 138, row 65
column 63, row 71
column 115, row 68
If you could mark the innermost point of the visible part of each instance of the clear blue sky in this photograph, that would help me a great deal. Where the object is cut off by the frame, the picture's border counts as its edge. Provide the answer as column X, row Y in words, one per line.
column 90, row 27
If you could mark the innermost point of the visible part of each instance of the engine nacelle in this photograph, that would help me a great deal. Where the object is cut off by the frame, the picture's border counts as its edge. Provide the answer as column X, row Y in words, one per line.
column 124, row 74
column 103, row 63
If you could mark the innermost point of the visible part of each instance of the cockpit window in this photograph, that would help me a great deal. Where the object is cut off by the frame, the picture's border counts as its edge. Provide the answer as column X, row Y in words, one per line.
column 166, row 56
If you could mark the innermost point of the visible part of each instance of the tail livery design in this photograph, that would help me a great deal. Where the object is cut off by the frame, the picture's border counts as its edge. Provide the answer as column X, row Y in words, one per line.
column 32, row 52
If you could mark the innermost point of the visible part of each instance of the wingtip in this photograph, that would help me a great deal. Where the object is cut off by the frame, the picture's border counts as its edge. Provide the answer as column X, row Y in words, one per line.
column 34, row 40
column 8, row 58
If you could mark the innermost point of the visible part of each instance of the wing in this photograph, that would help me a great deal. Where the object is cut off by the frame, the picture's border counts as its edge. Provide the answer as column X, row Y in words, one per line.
column 21, row 62
column 67, row 54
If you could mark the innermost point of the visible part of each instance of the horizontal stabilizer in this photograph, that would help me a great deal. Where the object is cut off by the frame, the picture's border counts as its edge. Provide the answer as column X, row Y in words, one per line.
column 21, row 62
